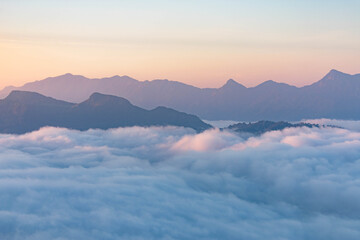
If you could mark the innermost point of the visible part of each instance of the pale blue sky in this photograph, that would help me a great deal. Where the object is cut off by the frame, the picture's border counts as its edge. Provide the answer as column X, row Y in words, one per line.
column 245, row 40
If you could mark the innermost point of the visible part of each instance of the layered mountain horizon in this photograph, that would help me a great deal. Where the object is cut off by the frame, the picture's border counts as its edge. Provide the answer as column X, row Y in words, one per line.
column 331, row 97
column 24, row 111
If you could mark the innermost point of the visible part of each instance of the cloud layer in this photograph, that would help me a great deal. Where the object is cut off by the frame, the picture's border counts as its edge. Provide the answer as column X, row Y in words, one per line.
column 171, row 183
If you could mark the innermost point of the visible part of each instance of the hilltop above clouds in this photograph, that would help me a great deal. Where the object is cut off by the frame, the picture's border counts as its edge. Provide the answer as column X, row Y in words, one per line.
column 23, row 112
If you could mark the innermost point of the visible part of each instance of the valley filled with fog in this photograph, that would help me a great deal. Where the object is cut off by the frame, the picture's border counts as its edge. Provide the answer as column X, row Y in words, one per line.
column 174, row 183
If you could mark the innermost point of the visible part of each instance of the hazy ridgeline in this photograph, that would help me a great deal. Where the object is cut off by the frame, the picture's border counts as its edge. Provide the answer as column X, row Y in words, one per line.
column 334, row 96
column 171, row 183
column 23, row 112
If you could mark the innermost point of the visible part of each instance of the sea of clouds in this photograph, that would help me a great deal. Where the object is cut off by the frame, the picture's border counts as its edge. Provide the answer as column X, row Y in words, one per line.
column 171, row 183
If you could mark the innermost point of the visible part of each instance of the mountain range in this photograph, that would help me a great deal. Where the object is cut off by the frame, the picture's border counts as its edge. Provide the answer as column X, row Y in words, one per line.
column 260, row 127
column 335, row 96
column 23, row 111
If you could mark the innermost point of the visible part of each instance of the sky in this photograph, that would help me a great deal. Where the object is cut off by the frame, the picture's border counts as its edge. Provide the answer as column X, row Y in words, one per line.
column 203, row 43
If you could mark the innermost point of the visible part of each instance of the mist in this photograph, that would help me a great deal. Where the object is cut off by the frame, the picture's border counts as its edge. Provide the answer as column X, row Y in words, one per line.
column 171, row 183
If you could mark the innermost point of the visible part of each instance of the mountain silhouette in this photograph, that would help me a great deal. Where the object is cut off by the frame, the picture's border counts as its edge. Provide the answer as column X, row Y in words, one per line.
column 334, row 96
column 24, row 111
column 260, row 127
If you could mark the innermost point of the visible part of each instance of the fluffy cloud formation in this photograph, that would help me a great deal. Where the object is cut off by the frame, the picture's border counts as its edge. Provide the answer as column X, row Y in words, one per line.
column 171, row 183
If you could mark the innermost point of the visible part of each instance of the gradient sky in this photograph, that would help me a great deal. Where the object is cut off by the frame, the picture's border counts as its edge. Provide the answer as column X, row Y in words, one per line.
column 199, row 42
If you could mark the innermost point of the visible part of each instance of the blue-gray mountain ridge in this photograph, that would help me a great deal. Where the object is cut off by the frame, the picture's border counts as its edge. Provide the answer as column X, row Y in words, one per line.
column 336, row 96
column 23, row 112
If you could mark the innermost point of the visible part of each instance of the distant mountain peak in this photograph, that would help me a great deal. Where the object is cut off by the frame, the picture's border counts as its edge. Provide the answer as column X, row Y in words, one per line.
column 66, row 75
column 100, row 96
column 116, row 76
column 97, row 95
column 98, row 99
column 335, row 71
column 27, row 97
column 23, row 95
column 269, row 83
column 334, row 74
column 231, row 83
column 123, row 77
column 333, row 78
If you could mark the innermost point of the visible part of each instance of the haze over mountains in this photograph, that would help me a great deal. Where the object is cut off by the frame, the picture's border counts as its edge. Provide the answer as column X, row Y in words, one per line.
column 335, row 96
column 23, row 112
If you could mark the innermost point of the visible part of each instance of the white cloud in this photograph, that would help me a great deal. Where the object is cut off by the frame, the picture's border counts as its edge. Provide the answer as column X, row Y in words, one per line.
column 170, row 183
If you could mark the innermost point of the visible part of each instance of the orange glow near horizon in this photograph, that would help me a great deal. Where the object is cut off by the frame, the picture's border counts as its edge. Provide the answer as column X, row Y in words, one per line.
column 218, row 40
column 202, row 66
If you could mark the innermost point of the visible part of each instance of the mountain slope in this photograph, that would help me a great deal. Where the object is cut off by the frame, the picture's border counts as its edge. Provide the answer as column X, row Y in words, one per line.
column 261, row 127
column 23, row 112
column 334, row 96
